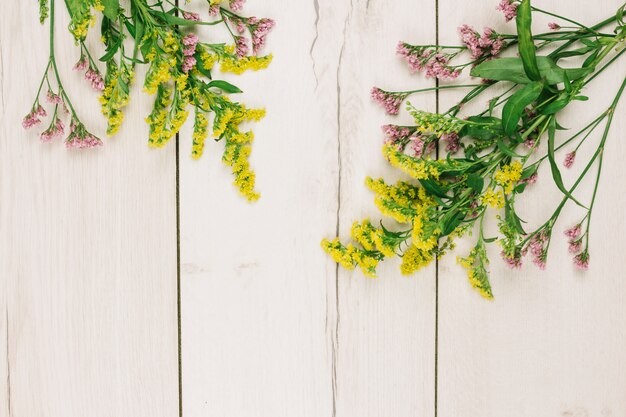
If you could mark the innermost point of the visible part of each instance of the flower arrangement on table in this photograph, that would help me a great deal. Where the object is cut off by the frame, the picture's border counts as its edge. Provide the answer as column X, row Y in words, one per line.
column 180, row 74
column 491, row 157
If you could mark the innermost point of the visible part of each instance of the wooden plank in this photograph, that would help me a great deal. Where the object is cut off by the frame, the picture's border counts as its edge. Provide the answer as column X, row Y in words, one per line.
column 386, row 327
column 552, row 342
column 88, row 249
column 255, row 326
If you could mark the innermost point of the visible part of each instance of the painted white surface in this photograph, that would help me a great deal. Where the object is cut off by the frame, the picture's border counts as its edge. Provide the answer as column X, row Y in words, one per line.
column 88, row 320
column 87, row 251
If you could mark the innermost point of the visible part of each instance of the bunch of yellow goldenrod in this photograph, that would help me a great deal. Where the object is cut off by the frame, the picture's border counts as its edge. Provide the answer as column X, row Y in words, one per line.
column 180, row 75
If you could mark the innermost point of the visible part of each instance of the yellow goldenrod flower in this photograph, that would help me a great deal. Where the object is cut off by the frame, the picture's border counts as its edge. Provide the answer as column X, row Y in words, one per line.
column 414, row 259
column 493, row 198
column 508, row 176
column 238, row 66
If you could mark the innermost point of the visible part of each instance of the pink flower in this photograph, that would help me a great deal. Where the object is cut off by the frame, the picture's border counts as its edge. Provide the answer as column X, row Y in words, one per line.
column 575, row 246
column 390, row 101
column 582, row 260
column 33, row 118
column 530, row 180
column 55, row 130
column 438, row 68
column 573, row 232
column 242, row 46
column 513, row 263
column 80, row 138
column 53, row 98
column 537, row 248
column 569, row 159
column 188, row 63
column 509, row 8
column 82, row 64
column 260, row 28
column 236, row 5
column 420, row 148
column 395, row 134
column 194, row 17
column 93, row 76
column 452, row 141
column 214, row 10
column 435, row 64
column 190, row 40
column 554, row 26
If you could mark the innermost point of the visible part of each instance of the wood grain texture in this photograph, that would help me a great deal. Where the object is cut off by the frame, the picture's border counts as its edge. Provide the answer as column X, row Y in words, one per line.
column 552, row 342
column 88, row 259
column 386, row 326
column 254, row 279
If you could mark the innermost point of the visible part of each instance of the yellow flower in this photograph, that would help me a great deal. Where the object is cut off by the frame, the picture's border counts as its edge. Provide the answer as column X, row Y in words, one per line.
column 414, row 259
column 417, row 168
column 238, row 66
column 199, row 135
column 508, row 176
column 493, row 198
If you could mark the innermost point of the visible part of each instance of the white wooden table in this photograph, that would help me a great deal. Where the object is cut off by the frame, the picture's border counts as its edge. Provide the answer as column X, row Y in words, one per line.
column 137, row 283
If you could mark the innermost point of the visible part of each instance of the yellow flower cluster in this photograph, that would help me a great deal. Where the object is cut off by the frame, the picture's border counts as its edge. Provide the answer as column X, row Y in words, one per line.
column 208, row 60
column 238, row 66
column 165, row 123
column 474, row 264
column 158, row 74
column 372, row 238
column 508, row 176
column 399, row 201
column 236, row 156
column 114, row 98
column 425, row 234
column 80, row 26
column 417, row 168
column 199, row 134
column 414, row 259
column 493, row 198
column 349, row 257
column 170, row 44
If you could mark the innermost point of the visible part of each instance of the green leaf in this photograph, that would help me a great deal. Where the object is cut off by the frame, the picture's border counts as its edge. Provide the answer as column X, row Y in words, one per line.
column 175, row 20
column 110, row 52
column 506, row 150
column 225, row 86
column 512, row 217
column 433, row 188
column 111, row 8
column 527, row 50
column 556, row 174
column 515, row 105
column 555, row 106
column 475, row 182
column 450, row 222
column 512, row 69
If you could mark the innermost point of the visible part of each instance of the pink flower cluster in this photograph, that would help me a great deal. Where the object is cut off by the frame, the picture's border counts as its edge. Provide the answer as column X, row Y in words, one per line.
column 80, row 138
column 537, row 248
column 514, row 262
column 452, row 141
column 509, row 8
column 396, row 134
column 236, row 5
column 214, row 10
column 259, row 28
column 581, row 259
column 435, row 64
column 421, row 147
column 53, row 98
column 390, row 101
column 530, row 180
column 194, row 17
column 242, row 46
column 92, row 75
column 569, row 159
column 554, row 26
column 489, row 43
column 189, row 41
column 33, row 118
column 55, row 130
